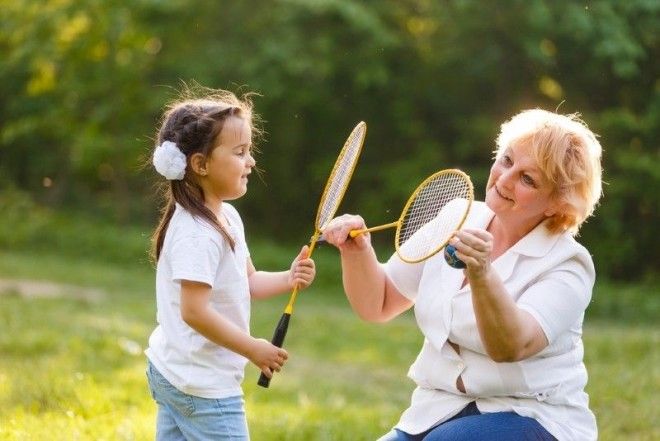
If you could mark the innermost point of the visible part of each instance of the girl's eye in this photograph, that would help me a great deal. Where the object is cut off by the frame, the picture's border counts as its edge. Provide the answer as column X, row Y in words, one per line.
column 506, row 160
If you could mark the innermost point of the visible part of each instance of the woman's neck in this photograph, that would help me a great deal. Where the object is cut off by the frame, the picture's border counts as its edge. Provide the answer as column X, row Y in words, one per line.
column 505, row 236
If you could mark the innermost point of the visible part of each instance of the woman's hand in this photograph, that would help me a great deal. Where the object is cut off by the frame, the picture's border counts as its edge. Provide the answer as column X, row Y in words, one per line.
column 474, row 247
column 337, row 233
column 303, row 270
column 508, row 333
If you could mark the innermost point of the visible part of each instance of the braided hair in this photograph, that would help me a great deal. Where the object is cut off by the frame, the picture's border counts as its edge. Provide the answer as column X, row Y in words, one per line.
column 193, row 125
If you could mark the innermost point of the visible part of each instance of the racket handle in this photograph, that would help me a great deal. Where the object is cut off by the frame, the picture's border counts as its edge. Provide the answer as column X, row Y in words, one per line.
column 278, row 340
column 451, row 259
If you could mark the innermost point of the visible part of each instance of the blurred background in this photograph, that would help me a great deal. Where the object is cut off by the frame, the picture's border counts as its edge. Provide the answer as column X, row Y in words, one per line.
column 84, row 82
column 82, row 85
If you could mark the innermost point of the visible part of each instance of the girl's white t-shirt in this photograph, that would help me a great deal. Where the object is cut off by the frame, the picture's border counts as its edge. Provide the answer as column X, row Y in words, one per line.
column 550, row 276
column 194, row 250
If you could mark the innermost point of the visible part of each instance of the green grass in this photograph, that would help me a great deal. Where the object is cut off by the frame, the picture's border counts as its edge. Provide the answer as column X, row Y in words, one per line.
column 72, row 367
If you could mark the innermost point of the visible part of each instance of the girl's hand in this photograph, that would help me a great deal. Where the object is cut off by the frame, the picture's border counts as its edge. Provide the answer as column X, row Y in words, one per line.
column 267, row 357
column 337, row 233
column 303, row 270
column 474, row 247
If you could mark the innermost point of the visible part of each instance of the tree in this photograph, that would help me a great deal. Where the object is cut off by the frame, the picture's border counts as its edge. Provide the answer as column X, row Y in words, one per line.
column 83, row 82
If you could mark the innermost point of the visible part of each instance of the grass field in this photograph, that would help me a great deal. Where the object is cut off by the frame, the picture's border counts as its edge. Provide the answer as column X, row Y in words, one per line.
column 72, row 367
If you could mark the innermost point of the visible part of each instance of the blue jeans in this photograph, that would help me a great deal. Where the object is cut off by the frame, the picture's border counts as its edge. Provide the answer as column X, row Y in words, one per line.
column 183, row 417
column 471, row 425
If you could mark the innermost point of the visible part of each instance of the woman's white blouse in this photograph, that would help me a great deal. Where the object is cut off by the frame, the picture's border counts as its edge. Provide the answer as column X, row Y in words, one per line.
column 550, row 276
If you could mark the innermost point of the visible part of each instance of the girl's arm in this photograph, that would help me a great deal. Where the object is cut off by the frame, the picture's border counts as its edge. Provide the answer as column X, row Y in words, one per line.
column 264, row 284
column 508, row 332
column 199, row 315
column 370, row 292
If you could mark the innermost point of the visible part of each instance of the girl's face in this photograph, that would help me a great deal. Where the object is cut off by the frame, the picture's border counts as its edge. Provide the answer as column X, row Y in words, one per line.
column 230, row 162
column 517, row 190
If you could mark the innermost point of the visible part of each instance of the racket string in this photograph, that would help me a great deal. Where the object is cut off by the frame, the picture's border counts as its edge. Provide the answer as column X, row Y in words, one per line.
column 340, row 177
column 433, row 214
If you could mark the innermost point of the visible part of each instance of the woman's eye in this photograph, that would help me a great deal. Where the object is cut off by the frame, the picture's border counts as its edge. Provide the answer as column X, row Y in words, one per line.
column 528, row 180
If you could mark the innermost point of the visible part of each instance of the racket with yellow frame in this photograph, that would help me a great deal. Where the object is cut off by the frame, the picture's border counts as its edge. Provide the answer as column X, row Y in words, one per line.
column 435, row 210
column 333, row 193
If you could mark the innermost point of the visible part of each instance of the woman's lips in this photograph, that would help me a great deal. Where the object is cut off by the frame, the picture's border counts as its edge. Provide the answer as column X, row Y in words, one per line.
column 501, row 195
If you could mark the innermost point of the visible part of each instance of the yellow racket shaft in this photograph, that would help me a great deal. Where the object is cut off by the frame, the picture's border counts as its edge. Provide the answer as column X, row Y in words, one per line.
column 333, row 193
column 334, row 190
column 356, row 233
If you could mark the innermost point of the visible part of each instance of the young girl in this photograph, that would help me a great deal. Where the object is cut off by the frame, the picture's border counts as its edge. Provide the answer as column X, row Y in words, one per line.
column 204, row 277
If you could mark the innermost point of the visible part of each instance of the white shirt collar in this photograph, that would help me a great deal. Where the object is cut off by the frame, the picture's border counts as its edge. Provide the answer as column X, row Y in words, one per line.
column 536, row 243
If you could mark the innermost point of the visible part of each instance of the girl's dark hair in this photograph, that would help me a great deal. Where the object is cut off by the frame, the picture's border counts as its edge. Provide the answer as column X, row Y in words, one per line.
column 194, row 124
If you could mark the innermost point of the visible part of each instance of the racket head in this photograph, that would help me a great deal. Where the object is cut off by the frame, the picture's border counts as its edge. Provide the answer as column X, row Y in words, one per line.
column 435, row 210
column 340, row 176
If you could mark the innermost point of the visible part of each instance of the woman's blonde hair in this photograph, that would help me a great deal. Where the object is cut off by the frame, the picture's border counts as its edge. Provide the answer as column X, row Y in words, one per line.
column 569, row 156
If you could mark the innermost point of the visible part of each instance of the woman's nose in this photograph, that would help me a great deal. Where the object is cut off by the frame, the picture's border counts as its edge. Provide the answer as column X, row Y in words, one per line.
column 506, row 178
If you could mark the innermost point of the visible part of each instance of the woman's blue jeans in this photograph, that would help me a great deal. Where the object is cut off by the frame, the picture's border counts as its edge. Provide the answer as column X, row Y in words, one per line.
column 183, row 417
column 471, row 425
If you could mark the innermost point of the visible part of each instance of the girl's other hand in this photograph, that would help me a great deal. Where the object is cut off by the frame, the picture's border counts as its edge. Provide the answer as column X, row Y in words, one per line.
column 267, row 357
column 303, row 270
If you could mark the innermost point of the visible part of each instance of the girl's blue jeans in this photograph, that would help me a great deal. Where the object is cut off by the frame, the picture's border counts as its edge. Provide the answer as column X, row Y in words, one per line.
column 183, row 417
column 471, row 425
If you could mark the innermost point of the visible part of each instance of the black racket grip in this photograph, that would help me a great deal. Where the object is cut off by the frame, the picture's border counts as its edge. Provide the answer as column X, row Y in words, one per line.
column 278, row 340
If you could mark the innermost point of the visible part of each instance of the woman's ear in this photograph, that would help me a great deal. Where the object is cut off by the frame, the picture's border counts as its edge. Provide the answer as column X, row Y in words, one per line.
column 198, row 164
column 555, row 207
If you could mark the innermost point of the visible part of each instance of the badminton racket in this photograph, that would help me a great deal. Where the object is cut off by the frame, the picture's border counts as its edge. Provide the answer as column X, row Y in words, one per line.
column 333, row 193
column 434, row 212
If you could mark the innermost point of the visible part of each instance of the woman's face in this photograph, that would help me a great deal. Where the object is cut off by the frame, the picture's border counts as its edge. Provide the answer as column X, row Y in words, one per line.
column 517, row 190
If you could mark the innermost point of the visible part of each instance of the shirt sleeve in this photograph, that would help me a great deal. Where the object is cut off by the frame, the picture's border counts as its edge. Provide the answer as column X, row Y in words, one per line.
column 195, row 258
column 404, row 276
column 558, row 299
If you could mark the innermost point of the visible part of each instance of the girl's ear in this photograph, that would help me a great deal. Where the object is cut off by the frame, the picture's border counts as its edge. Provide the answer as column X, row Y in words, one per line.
column 198, row 164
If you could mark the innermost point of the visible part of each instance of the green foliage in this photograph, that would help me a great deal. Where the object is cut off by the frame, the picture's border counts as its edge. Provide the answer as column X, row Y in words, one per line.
column 82, row 83
column 27, row 226
column 624, row 223
column 22, row 220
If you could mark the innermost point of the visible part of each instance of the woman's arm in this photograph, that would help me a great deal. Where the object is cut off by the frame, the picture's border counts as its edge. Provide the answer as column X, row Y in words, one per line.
column 508, row 332
column 368, row 289
column 264, row 284
column 199, row 315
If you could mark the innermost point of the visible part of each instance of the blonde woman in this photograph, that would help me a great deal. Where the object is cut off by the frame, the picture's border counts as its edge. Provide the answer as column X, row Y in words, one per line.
column 502, row 357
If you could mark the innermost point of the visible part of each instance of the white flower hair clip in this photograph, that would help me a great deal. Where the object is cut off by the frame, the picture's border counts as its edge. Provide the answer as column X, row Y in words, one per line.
column 170, row 161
